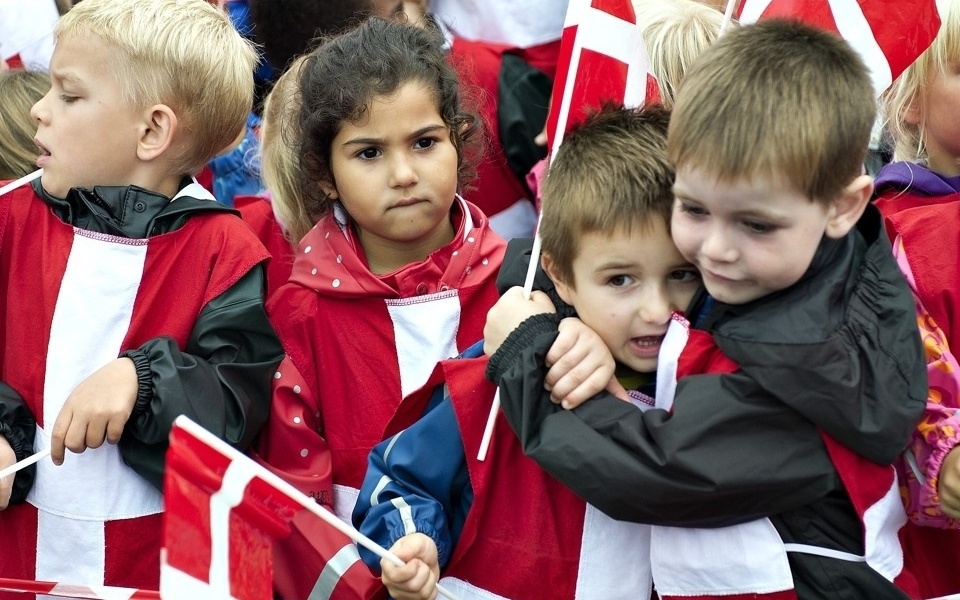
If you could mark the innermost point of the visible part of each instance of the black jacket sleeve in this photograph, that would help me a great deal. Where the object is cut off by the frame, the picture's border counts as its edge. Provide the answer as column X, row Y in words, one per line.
column 221, row 380
column 730, row 458
column 18, row 425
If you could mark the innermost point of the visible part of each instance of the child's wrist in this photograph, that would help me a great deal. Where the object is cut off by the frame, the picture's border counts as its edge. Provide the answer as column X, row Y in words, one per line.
column 519, row 339
column 144, row 380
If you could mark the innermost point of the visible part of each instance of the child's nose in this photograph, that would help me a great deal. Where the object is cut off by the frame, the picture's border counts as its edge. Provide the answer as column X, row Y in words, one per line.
column 718, row 246
column 655, row 306
column 402, row 172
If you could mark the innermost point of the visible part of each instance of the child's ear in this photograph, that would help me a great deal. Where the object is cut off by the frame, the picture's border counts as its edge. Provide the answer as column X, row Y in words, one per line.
column 329, row 190
column 912, row 115
column 847, row 209
column 158, row 130
column 550, row 268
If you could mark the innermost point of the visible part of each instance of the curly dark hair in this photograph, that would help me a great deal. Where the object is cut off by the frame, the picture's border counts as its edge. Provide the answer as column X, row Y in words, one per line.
column 343, row 75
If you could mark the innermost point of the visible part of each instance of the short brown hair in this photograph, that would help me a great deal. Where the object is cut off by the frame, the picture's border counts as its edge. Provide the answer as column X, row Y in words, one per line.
column 776, row 99
column 611, row 173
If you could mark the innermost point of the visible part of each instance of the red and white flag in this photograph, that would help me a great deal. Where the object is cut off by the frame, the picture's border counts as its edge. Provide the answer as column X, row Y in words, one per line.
column 66, row 590
column 220, row 521
column 602, row 58
column 888, row 35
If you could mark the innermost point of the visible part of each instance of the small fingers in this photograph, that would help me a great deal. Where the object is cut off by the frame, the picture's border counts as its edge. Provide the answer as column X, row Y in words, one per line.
column 58, row 437
column 6, row 489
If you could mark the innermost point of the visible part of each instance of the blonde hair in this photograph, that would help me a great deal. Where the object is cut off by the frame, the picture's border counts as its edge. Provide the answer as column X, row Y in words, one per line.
column 675, row 33
column 778, row 100
column 19, row 91
column 610, row 173
column 280, row 155
column 910, row 88
column 185, row 54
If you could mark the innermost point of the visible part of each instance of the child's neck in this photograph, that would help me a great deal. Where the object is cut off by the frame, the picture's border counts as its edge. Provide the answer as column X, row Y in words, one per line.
column 386, row 256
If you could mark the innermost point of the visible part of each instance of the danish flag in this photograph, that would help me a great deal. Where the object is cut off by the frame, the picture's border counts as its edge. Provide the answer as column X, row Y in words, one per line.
column 602, row 58
column 220, row 520
column 888, row 35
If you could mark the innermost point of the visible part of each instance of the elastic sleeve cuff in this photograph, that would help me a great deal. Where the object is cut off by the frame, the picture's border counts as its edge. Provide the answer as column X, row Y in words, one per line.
column 144, row 381
column 22, row 446
column 520, row 339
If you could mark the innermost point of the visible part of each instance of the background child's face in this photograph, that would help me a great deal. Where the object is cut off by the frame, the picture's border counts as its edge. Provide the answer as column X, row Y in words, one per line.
column 748, row 238
column 626, row 286
column 940, row 120
column 396, row 171
column 87, row 134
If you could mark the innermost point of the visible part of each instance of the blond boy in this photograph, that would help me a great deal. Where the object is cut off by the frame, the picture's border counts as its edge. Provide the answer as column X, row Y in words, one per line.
column 130, row 295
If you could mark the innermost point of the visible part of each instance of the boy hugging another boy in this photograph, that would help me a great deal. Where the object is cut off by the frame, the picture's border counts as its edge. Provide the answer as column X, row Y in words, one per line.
column 483, row 528
column 129, row 295
column 780, row 417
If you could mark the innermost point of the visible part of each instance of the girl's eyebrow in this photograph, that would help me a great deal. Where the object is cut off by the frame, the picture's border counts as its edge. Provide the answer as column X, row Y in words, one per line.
column 370, row 141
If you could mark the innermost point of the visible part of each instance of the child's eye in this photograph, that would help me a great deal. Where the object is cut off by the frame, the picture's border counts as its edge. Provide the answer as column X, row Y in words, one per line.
column 759, row 227
column 68, row 99
column 692, row 210
column 424, row 143
column 619, row 280
column 368, row 153
column 685, row 276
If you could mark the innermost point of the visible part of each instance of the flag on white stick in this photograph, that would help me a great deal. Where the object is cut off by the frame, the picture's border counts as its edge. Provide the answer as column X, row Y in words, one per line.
column 602, row 59
column 887, row 35
column 222, row 513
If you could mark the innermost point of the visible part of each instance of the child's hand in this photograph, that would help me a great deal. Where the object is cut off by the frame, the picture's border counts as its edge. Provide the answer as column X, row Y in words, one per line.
column 580, row 366
column 96, row 410
column 948, row 484
column 417, row 580
column 509, row 311
column 7, row 458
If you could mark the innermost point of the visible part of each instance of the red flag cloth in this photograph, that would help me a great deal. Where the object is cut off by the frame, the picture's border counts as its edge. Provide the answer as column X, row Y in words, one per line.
column 888, row 35
column 220, row 521
column 602, row 58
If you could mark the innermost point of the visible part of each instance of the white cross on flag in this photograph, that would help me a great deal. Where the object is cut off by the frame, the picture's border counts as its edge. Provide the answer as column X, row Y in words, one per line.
column 888, row 35
column 602, row 58
column 220, row 520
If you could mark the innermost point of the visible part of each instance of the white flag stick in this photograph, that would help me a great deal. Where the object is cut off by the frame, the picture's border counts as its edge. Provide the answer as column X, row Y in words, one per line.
column 24, row 463
column 18, row 182
column 727, row 16
column 296, row 495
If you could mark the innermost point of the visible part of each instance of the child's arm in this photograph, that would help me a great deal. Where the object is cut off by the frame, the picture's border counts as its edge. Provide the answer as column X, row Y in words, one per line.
column 932, row 466
column 423, row 469
column 221, row 379
column 17, row 431
column 292, row 443
column 578, row 365
column 707, row 464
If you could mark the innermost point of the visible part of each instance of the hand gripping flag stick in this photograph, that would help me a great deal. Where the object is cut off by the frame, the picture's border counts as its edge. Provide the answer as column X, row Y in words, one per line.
column 292, row 493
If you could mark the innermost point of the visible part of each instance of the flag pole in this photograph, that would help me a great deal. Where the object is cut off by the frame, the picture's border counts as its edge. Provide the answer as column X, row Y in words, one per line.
column 24, row 463
column 65, row 590
column 727, row 16
column 18, row 182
